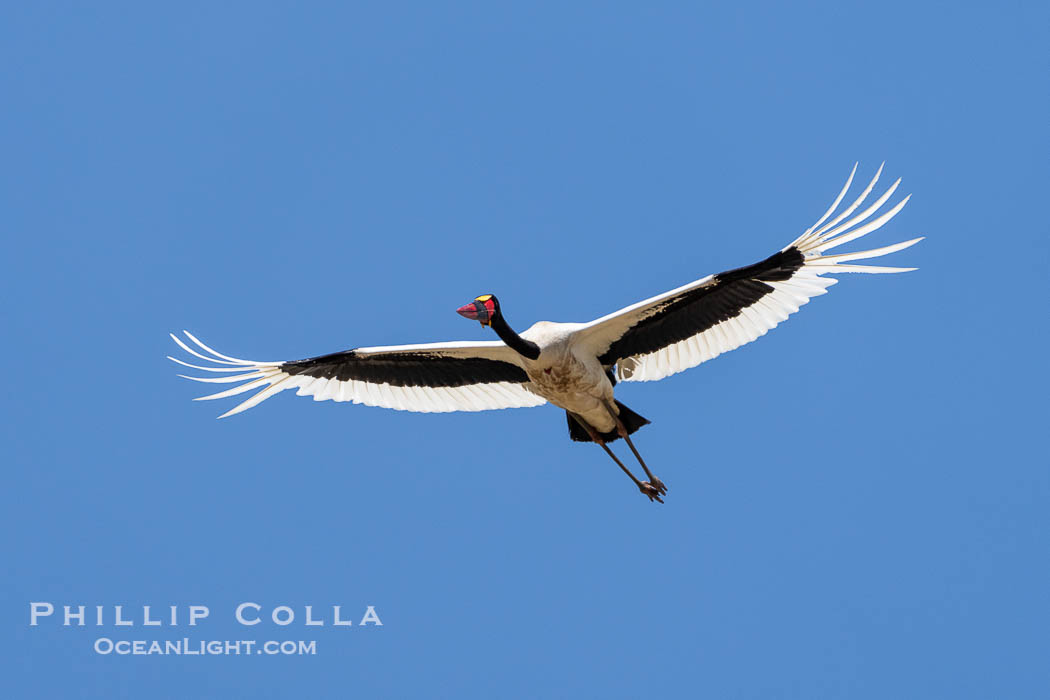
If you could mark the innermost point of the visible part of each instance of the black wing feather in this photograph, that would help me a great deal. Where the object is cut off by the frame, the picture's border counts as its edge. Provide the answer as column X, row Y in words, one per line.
column 412, row 368
column 699, row 309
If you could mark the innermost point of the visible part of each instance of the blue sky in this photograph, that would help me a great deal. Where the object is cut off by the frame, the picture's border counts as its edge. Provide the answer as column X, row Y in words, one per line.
column 858, row 500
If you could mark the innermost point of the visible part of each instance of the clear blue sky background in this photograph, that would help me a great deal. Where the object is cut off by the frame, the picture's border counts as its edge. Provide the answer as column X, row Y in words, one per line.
column 858, row 502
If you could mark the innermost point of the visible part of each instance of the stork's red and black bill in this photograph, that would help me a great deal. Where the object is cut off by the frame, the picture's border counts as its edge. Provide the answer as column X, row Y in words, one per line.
column 481, row 309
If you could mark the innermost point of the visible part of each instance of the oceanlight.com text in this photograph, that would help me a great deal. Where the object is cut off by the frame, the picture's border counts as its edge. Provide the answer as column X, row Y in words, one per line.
column 190, row 647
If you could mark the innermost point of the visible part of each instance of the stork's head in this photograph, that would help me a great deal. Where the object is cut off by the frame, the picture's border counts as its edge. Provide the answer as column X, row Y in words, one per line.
column 483, row 309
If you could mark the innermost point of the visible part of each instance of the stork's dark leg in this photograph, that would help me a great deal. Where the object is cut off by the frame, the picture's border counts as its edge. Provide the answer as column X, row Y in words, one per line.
column 644, row 486
column 622, row 430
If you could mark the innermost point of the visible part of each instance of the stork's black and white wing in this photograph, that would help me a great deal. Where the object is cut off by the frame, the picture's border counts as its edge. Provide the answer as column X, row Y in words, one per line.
column 672, row 332
column 430, row 378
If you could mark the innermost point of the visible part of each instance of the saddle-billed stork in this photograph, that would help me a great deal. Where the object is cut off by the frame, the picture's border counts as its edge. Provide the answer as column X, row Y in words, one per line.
column 576, row 365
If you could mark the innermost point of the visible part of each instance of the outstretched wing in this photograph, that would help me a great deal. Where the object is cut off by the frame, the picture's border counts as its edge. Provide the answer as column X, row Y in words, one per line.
column 680, row 329
column 430, row 378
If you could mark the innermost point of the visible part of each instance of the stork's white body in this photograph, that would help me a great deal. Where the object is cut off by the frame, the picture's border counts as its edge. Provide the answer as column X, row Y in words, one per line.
column 567, row 373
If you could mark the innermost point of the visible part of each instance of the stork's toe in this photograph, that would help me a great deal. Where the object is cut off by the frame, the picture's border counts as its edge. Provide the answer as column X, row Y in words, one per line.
column 651, row 491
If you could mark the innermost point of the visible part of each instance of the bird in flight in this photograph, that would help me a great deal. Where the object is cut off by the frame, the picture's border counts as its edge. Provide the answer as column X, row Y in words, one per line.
column 576, row 366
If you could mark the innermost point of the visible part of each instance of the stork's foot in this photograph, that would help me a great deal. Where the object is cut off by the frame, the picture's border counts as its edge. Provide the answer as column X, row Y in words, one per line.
column 657, row 484
column 651, row 491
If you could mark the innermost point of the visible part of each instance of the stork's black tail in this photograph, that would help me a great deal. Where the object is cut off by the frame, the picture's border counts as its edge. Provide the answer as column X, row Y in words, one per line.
column 631, row 420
